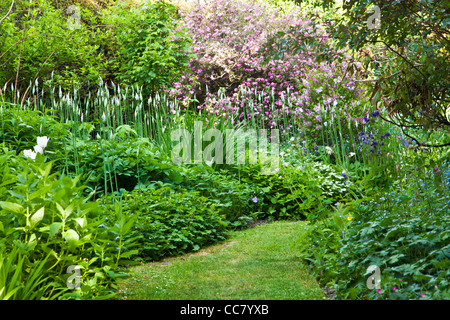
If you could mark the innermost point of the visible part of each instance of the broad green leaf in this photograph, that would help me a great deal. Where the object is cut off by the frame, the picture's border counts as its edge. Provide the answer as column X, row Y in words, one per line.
column 81, row 221
column 54, row 228
column 11, row 206
column 65, row 213
column 37, row 217
column 71, row 235
column 38, row 193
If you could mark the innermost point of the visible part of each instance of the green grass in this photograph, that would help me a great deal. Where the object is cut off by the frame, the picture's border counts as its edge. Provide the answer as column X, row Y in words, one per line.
column 254, row 264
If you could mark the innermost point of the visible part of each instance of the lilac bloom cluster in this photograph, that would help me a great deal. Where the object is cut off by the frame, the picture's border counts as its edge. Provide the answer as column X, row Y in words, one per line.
column 231, row 42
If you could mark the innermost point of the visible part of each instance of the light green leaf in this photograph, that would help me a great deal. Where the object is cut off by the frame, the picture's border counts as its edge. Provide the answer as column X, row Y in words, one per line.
column 71, row 236
column 81, row 221
column 54, row 228
column 65, row 213
column 37, row 217
column 11, row 206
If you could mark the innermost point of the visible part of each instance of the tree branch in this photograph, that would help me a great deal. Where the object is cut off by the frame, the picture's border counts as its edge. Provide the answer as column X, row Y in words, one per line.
column 8, row 13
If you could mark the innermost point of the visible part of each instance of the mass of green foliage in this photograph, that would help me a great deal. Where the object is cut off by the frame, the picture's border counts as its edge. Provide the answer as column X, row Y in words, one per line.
column 91, row 96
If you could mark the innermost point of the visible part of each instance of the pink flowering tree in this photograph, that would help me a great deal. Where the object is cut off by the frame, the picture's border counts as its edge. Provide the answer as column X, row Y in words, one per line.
column 253, row 63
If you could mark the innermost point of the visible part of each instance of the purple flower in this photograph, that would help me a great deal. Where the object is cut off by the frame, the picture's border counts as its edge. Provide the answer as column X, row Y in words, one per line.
column 255, row 199
column 375, row 114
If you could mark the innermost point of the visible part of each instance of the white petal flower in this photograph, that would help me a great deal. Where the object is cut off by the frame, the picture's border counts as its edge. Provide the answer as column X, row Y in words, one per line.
column 328, row 150
column 38, row 148
column 42, row 141
column 351, row 154
column 29, row 154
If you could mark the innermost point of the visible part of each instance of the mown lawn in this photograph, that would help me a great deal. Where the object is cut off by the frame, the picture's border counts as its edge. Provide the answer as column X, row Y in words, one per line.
column 253, row 264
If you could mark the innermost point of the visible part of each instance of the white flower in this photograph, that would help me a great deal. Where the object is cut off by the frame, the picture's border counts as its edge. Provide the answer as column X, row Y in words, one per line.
column 42, row 141
column 38, row 148
column 351, row 154
column 292, row 139
column 319, row 90
column 328, row 150
column 29, row 154
column 285, row 164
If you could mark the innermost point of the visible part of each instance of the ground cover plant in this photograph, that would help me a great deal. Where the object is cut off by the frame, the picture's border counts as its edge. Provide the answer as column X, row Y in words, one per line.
column 89, row 186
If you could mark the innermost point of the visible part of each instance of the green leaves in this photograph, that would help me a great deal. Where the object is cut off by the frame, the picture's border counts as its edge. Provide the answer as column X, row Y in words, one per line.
column 36, row 218
column 12, row 207
column 150, row 47
column 45, row 218
column 409, row 59
column 72, row 237
column 165, row 222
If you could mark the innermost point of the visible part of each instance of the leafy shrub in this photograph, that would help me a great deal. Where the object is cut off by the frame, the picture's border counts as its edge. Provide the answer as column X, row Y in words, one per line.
column 413, row 255
column 119, row 163
column 19, row 128
column 231, row 197
column 45, row 217
column 393, row 232
column 151, row 51
column 170, row 222
column 246, row 66
column 302, row 188
column 69, row 63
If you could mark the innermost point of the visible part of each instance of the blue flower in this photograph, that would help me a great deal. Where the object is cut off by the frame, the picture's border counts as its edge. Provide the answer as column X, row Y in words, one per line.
column 375, row 114
column 255, row 199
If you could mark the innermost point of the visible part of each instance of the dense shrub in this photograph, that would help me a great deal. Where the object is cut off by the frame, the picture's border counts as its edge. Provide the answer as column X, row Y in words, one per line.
column 232, row 198
column 33, row 48
column 412, row 254
column 48, row 225
column 20, row 127
column 246, row 66
column 134, row 44
column 120, row 163
column 302, row 188
column 169, row 222
column 150, row 51
column 402, row 232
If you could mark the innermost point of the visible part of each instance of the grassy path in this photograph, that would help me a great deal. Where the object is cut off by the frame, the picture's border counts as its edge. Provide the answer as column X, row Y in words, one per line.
column 253, row 264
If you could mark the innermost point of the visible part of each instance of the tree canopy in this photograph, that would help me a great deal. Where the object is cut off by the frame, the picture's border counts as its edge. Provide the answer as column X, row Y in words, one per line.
column 405, row 47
